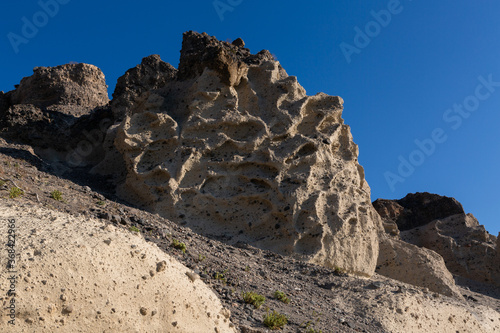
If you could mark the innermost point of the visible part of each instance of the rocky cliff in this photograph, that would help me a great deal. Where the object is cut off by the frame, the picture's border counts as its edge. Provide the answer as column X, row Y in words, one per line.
column 440, row 224
column 230, row 145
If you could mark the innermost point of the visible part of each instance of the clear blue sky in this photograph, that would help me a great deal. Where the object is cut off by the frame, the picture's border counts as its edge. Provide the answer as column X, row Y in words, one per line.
column 401, row 83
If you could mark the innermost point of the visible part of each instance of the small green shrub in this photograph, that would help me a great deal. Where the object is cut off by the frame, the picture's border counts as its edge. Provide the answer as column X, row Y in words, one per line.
column 101, row 203
column 134, row 229
column 279, row 295
column 56, row 195
column 339, row 271
column 15, row 192
column 275, row 320
column 2, row 183
column 253, row 298
column 221, row 276
column 312, row 330
column 201, row 258
column 178, row 245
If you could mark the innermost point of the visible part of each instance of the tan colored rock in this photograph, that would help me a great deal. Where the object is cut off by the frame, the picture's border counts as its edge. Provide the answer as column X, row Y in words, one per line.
column 77, row 283
column 417, row 266
column 467, row 248
column 417, row 312
column 236, row 149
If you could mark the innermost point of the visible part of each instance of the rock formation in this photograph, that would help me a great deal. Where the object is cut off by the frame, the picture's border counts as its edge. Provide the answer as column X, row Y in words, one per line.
column 440, row 224
column 418, row 266
column 233, row 147
column 74, row 89
column 78, row 275
column 61, row 111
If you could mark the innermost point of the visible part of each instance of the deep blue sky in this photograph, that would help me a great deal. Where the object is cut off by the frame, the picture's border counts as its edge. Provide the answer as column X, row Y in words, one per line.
column 396, row 89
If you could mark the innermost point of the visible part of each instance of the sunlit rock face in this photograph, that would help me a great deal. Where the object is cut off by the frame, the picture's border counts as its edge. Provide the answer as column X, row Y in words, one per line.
column 440, row 224
column 233, row 147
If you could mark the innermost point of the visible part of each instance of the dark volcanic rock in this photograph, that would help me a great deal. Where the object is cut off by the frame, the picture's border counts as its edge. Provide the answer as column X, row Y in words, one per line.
column 61, row 111
column 201, row 51
column 417, row 209
column 152, row 73
column 74, row 89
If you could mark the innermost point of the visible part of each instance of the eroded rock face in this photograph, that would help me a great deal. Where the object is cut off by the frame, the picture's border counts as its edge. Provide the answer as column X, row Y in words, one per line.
column 73, row 89
column 234, row 147
column 418, row 266
column 440, row 224
column 151, row 74
column 467, row 248
column 61, row 111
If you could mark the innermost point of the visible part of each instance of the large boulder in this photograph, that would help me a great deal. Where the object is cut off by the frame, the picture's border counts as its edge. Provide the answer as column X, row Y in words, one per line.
column 234, row 148
column 76, row 274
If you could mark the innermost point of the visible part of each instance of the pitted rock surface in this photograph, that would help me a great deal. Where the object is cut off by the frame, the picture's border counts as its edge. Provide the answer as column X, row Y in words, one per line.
column 236, row 149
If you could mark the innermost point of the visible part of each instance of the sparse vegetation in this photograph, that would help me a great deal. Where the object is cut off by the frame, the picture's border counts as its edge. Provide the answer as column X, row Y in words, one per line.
column 201, row 258
column 275, row 320
column 339, row 271
column 279, row 295
column 15, row 192
column 312, row 330
column 253, row 298
column 178, row 245
column 101, row 203
column 134, row 229
column 221, row 276
column 2, row 183
column 56, row 195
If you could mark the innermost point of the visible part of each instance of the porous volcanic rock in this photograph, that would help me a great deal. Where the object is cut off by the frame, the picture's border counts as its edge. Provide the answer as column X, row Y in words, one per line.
column 418, row 266
column 76, row 274
column 417, row 209
column 151, row 74
column 440, row 224
column 234, row 148
column 465, row 245
column 73, row 89
column 61, row 111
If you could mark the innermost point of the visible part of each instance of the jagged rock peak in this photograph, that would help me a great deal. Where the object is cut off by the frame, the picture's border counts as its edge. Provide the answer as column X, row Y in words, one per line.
column 201, row 51
column 151, row 74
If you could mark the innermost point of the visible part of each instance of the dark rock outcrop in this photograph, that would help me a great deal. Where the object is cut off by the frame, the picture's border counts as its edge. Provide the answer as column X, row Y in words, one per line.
column 73, row 89
column 440, row 224
column 61, row 111
column 151, row 74
column 417, row 209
